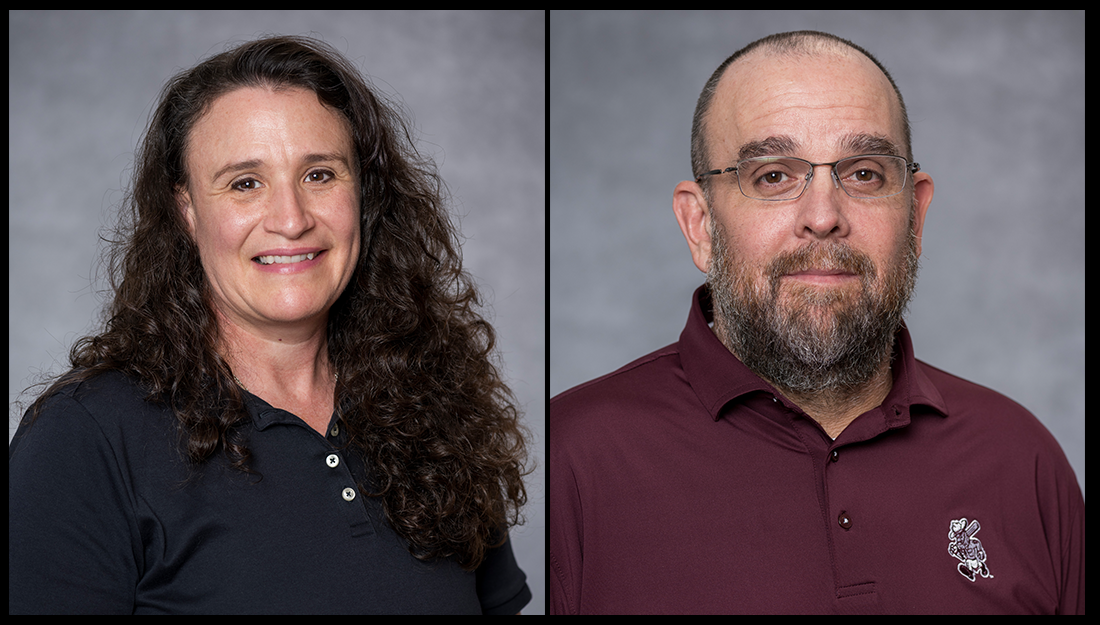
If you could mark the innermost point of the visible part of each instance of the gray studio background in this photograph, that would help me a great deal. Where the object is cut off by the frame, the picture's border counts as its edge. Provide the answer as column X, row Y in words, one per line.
column 997, row 104
column 82, row 84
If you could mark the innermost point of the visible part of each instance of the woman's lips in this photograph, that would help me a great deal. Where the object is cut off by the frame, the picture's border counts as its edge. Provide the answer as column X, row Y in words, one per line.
column 272, row 259
column 287, row 251
column 284, row 263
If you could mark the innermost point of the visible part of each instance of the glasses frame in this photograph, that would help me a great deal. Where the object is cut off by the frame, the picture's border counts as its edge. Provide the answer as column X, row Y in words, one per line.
column 911, row 168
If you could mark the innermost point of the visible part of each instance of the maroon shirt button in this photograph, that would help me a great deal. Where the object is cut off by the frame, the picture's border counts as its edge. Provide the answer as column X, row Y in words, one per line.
column 845, row 520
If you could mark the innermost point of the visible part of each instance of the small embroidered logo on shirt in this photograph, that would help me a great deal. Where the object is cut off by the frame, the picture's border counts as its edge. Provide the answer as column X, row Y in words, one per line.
column 967, row 548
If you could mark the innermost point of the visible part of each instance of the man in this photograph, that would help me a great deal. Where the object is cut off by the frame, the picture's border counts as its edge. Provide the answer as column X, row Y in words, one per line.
column 789, row 454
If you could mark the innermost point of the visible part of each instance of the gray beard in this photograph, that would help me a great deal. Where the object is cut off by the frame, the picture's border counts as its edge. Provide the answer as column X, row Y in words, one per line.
column 811, row 339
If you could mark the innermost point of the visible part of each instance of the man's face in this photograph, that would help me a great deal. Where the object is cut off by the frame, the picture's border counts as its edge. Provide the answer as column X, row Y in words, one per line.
column 809, row 292
column 272, row 201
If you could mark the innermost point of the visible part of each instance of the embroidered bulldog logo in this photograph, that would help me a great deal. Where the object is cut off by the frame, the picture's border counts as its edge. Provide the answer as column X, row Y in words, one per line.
column 967, row 548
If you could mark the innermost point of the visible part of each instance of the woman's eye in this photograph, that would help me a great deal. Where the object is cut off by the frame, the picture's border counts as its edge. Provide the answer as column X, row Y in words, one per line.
column 251, row 184
column 319, row 176
column 245, row 184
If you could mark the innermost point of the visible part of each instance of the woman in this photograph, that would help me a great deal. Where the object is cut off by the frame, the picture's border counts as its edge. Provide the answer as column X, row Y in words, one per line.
column 293, row 406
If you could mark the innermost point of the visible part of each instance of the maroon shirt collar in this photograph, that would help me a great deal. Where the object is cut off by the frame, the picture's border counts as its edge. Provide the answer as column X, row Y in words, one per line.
column 718, row 377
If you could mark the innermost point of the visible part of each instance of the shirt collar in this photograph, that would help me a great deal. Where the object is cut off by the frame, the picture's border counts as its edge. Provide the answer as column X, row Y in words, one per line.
column 264, row 415
column 718, row 377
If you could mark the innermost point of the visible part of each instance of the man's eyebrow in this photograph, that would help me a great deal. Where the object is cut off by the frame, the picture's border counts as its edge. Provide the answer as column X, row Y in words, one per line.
column 850, row 145
column 308, row 159
column 863, row 143
column 778, row 145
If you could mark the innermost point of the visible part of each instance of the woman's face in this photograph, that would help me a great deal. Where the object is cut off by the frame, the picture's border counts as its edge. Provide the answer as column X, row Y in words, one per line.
column 272, row 201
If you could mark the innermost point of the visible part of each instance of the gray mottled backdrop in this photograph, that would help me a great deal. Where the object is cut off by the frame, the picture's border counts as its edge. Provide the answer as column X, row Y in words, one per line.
column 81, row 86
column 997, row 103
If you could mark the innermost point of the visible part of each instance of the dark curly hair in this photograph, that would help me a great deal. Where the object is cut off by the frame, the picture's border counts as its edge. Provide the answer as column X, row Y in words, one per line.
column 418, row 389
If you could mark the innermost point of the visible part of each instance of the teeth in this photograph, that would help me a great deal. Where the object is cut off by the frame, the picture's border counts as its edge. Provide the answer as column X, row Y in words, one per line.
column 270, row 260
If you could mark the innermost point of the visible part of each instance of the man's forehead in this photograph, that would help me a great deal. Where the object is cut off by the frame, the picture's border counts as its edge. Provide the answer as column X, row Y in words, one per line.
column 817, row 101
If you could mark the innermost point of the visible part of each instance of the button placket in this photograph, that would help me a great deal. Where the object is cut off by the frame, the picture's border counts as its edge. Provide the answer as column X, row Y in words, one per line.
column 844, row 520
column 333, row 461
column 343, row 482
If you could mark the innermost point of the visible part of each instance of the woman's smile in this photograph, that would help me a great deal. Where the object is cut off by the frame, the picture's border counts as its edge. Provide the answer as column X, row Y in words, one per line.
column 289, row 261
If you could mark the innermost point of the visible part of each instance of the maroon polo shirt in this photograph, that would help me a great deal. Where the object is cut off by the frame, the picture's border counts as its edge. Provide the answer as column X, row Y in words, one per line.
column 685, row 483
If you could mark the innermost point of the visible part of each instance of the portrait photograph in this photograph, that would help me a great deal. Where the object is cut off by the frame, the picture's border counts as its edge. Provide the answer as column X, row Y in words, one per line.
column 817, row 311
column 277, row 337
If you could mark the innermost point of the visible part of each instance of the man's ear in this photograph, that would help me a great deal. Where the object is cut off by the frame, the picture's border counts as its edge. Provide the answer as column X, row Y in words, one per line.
column 690, row 206
column 923, row 188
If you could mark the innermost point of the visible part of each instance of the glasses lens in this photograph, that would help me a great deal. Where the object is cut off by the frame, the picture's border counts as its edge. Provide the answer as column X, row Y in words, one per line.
column 771, row 178
column 872, row 176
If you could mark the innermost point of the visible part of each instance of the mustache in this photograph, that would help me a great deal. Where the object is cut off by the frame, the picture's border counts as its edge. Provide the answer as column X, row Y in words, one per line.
column 823, row 256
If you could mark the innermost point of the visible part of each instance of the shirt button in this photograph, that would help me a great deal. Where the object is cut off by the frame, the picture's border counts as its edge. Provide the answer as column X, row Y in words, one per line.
column 845, row 520
column 834, row 456
column 349, row 494
column 332, row 461
column 335, row 431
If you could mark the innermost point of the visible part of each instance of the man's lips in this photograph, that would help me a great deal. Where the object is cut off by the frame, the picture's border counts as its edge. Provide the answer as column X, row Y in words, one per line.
column 822, row 276
column 821, row 272
column 834, row 264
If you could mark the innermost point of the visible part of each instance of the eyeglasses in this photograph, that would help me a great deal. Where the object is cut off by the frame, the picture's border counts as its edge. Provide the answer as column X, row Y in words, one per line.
column 779, row 178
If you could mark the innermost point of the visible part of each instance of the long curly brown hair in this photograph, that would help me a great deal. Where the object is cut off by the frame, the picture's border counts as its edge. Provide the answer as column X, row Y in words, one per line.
column 418, row 387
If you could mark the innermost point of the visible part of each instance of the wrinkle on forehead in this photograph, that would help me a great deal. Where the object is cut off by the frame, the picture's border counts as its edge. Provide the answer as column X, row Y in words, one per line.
column 263, row 125
column 813, row 98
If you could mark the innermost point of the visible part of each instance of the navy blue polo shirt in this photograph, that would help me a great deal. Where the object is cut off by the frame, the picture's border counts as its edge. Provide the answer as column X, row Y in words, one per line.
column 103, row 519
column 685, row 483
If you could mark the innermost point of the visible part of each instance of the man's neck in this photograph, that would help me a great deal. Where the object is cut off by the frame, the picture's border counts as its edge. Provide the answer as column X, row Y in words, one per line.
column 834, row 410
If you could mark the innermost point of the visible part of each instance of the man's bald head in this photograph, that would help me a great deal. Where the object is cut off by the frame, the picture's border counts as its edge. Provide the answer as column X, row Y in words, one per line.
column 791, row 44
